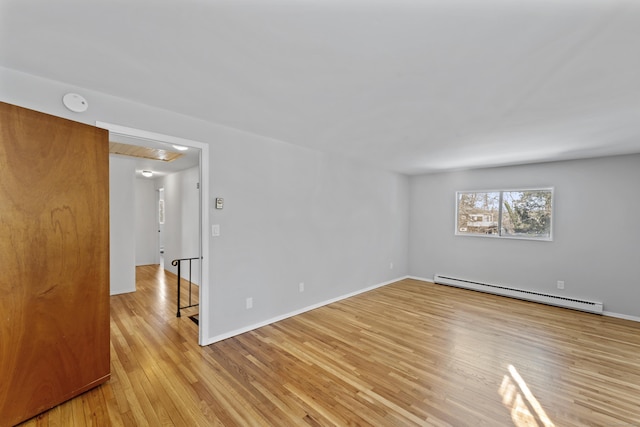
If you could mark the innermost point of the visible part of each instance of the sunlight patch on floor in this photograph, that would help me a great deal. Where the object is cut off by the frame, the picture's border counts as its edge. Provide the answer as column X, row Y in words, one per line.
column 525, row 409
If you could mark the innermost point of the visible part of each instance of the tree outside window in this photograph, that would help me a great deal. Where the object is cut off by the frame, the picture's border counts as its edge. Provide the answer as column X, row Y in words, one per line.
column 524, row 214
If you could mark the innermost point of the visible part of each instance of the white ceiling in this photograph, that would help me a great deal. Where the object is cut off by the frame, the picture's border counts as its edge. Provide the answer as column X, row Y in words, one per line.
column 407, row 85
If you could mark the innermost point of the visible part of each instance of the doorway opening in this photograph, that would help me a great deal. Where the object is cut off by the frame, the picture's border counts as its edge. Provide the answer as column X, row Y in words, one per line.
column 160, row 249
column 201, row 242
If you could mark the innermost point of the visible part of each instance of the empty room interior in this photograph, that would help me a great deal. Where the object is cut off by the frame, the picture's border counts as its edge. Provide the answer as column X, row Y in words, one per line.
column 389, row 213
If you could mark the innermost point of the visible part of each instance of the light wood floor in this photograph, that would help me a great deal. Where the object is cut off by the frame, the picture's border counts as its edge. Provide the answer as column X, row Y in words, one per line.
column 411, row 353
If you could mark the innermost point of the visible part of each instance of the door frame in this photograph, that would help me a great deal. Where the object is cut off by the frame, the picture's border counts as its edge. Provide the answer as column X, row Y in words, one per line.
column 203, row 330
column 160, row 248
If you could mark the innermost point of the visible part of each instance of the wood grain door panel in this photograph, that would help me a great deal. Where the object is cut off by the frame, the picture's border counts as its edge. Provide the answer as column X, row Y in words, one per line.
column 54, row 252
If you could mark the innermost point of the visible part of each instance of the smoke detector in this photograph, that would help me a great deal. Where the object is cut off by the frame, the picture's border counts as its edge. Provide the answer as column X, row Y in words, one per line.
column 75, row 102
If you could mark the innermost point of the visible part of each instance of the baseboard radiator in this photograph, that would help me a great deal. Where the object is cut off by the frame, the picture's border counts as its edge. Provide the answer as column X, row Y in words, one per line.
column 576, row 304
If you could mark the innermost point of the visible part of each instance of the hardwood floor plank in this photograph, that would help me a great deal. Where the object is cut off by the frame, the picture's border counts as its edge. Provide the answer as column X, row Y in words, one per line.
column 410, row 353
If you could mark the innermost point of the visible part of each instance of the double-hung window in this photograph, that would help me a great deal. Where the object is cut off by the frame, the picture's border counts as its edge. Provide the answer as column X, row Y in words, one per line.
column 520, row 214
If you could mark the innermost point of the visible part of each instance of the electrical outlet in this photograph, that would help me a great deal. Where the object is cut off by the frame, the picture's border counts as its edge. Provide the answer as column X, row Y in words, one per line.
column 249, row 303
column 560, row 284
column 390, row 266
column 301, row 287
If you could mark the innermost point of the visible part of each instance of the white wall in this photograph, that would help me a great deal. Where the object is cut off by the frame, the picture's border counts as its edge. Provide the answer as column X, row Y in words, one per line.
column 291, row 214
column 295, row 215
column 596, row 240
column 182, row 221
column 146, row 221
column 121, row 225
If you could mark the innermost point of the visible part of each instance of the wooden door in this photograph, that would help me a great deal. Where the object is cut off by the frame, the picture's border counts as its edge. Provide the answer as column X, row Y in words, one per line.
column 54, row 261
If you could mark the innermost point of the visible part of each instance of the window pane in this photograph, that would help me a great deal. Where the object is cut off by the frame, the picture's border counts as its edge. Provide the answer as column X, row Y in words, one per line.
column 478, row 213
column 526, row 214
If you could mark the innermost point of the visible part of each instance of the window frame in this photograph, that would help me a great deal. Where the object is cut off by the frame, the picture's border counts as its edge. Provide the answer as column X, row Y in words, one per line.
column 499, row 234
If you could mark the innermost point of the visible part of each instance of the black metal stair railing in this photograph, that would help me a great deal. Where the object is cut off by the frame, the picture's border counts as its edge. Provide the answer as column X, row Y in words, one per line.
column 178, row 263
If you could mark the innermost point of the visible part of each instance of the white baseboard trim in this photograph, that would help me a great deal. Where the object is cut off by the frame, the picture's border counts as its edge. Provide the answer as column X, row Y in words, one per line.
column 242, row 330
column 122, row 291
column 621, row 316
column 422, row 279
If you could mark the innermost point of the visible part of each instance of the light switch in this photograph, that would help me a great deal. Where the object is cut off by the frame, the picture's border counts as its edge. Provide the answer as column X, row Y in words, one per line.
column 215, row 230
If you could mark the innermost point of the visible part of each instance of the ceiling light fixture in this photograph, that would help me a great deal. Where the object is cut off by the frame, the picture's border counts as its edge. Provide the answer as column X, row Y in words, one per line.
column 180, row 147
column 147, row 174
